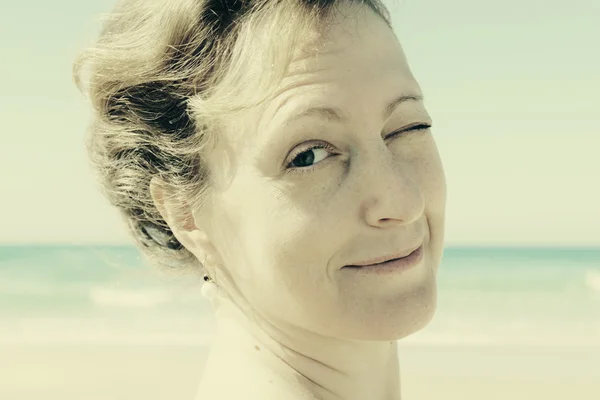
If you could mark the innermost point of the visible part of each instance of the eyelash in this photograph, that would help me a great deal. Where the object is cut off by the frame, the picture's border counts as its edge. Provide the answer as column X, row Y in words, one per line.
column 326, row 146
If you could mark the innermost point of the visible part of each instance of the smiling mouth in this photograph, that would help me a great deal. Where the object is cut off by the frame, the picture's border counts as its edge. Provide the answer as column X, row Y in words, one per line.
column 396, row 264
column 384, row 260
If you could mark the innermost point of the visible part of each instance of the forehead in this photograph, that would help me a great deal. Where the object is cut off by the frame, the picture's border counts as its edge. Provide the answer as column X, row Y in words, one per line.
column 357, row 56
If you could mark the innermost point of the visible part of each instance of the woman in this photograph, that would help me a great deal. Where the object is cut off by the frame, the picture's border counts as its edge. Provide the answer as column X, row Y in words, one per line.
column 283, row 149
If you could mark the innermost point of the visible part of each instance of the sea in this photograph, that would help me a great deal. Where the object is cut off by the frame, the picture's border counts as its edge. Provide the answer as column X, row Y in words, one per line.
column 487, row 296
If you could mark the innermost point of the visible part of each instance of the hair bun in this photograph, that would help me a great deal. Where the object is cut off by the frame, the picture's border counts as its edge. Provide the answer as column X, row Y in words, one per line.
column 162, row 236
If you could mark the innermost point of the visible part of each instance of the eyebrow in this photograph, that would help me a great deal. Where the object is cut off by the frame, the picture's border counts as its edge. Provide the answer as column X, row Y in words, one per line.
column 337, row 115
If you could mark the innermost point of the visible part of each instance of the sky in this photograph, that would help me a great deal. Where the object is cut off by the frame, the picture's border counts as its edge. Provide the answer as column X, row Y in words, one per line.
column 513, row 88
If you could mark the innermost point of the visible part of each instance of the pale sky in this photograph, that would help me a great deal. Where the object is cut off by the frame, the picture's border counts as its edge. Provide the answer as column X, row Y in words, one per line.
column 513, row 87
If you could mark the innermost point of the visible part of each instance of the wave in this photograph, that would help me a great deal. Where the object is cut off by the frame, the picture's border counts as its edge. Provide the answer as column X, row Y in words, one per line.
column 592, row 280
column 111, row 297
column 159, row 330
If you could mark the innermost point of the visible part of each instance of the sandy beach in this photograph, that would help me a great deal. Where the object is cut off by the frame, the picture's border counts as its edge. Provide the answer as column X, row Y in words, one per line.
column 172, row 372
column 83, row 331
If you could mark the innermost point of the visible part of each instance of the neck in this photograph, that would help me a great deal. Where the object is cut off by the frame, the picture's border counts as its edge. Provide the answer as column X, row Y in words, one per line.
column 327, row 368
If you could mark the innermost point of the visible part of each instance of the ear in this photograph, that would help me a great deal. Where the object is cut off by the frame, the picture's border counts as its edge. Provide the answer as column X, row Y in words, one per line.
column 183, row 227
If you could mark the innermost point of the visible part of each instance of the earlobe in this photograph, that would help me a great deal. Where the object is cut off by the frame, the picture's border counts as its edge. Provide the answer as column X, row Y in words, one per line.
column 203, row 247
column 206, row 253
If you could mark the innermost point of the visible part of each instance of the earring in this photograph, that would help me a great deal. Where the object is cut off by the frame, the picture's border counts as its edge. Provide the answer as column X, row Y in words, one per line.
column 209, row 289
column 207, row 277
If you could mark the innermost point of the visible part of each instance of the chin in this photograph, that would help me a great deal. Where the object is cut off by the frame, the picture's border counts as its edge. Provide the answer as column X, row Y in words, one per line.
column 408, row 315
column 412, row 312
column 412, row 326
column 418, row 324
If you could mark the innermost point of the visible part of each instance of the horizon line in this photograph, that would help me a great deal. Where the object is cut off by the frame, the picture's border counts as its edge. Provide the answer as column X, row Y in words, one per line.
column 573, row 246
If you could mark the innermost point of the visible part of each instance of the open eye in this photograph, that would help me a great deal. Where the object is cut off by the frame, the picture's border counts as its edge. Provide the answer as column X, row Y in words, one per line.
column 308, row 156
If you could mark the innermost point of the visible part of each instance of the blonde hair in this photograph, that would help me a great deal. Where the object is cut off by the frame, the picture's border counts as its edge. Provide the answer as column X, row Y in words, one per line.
column 162, row 74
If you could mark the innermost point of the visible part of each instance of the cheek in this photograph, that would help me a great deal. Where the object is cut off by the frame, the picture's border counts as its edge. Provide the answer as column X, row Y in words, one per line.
column 289, row 245
column 428, row 171
column 270, row 230
column 433, row 185
column 282, row 265
column 434, row 182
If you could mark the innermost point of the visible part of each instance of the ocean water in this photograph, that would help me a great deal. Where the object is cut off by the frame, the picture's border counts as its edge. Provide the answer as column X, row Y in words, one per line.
column 109, row 294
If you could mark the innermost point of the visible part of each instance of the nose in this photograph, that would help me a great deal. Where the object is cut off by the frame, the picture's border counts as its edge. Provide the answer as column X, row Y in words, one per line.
column 391, row 194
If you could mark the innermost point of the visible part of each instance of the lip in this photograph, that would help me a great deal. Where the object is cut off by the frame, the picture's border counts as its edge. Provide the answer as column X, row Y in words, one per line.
column 384, row 259
column 391, row 267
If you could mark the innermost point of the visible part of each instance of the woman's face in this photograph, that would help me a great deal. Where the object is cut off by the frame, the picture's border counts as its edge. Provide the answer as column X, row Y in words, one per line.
column 326, row 174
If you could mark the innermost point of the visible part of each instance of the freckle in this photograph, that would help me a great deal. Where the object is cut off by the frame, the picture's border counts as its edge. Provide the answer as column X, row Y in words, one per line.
column 257, row 348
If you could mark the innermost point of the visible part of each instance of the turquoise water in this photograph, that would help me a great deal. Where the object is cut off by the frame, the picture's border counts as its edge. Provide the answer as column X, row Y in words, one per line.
column 487, row 296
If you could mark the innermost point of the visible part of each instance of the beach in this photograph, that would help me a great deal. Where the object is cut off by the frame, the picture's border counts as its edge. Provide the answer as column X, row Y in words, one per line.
column 96, row 323
column 172, row 372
